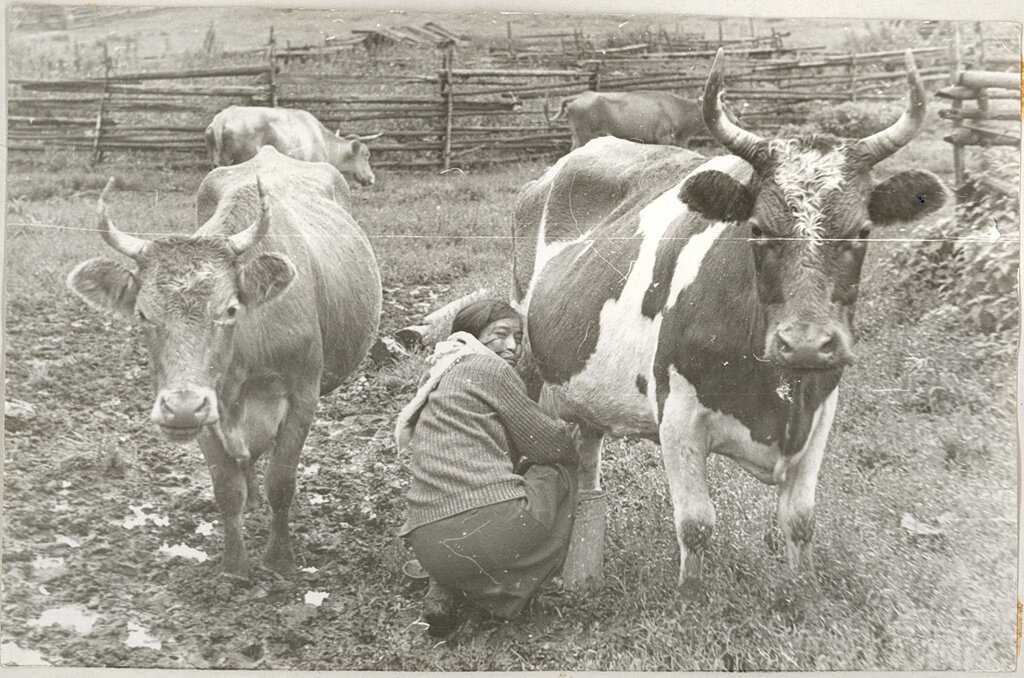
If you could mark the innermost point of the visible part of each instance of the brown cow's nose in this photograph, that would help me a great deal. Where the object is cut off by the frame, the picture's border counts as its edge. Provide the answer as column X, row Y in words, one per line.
column 808, row 346
column 183, row 409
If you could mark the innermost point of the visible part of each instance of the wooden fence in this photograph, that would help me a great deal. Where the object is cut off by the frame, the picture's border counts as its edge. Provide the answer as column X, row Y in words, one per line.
column 993, row 118
column 456, row 115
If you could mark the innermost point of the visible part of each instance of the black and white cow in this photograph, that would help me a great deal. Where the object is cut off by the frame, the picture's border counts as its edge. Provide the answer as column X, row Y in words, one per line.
column 708, row 303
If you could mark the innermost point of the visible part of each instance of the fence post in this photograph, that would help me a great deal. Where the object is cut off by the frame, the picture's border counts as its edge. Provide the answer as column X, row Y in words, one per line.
column 595, row 78
column 956, row 66
column 853, row 75
column 449, row 104
column 97, row 154
column 272, row 55
column 982, row 100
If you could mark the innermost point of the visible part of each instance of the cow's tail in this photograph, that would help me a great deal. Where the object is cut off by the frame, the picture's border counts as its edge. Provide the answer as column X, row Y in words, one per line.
column 214, row 142
column 561, row 109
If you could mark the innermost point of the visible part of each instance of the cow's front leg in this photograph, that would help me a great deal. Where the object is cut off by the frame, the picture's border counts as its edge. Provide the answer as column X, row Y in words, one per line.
column 229, row 490
column 684, row 445
column 798, row 480
column 280, row 476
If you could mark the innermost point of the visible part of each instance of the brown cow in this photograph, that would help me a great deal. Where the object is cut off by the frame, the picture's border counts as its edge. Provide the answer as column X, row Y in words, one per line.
column 238, row 132
column 646, row 117
column 270, row 304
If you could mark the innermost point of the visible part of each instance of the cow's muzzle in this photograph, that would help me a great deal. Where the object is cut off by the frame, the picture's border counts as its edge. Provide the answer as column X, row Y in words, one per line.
column 181, row 414
column 366, row 179
column 810, row 346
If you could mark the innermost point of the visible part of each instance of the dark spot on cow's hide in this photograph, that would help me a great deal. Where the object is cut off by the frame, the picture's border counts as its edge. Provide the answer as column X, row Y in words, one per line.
column 641, row 384
column 906, row 196
column 717, row 196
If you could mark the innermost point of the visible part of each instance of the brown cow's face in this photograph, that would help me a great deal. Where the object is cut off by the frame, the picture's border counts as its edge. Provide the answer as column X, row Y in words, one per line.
column 356, row 156
column 810, row 213
column 188, row 295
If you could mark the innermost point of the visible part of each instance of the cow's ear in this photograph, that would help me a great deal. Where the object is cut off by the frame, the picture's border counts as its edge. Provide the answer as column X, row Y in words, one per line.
column 105, row 285
column 357, row 146
column 906, row 196
column 265, row 277
column 718, row 196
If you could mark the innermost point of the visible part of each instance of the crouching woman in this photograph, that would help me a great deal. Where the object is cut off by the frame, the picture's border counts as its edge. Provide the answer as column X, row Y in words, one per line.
column 493, row 491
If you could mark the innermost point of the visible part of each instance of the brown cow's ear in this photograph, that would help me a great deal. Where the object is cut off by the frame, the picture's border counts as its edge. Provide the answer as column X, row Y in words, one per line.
column 718, row 196
column 356, row 145
column 105, row 285
column 906, row 196
column 265, row 277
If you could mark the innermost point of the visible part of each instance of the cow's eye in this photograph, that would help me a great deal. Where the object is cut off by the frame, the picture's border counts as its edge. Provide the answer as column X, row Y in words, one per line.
column 864, row 232
column 231, row 312
column 755, row 230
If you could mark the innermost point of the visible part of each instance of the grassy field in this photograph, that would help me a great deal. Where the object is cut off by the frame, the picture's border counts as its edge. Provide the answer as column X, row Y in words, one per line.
column 925, row 429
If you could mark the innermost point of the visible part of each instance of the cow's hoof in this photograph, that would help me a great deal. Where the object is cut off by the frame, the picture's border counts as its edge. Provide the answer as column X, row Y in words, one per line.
column 237, row 570
column 280, row 563
column 690, row 594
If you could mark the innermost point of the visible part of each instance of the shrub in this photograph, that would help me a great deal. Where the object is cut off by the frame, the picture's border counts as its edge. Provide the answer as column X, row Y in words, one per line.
column 972, row 259
column 853, row 119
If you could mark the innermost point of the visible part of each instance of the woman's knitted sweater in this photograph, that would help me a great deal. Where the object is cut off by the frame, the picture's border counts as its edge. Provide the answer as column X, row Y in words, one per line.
column 477, row 423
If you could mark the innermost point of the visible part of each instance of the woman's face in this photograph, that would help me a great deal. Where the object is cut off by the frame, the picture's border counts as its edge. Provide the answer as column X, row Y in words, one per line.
column 504, row 337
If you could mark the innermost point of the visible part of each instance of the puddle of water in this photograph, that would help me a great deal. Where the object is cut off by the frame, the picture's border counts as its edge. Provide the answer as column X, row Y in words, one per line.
column 309, row 569
column 12, row 655
column 70, row 616
column 310, row 470
column 204, row 528
column 184, row 551
column 315, row 499
column 138, row 636
column 139, row 517
column 315, row 598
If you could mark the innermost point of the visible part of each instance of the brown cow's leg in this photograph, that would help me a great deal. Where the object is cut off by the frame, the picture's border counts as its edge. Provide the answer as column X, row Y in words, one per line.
column 280, row 476
column 229, row 489
column 253, row 499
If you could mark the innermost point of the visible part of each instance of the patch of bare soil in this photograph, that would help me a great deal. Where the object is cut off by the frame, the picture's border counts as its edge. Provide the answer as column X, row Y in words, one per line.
column 112, row 539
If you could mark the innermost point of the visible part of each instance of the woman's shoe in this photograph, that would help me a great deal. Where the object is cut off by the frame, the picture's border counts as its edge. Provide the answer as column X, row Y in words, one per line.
column 440, row 609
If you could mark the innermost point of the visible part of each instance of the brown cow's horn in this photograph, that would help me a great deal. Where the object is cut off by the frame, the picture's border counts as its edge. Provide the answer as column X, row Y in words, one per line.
column 242, row 241
column 738, row 140
column 127, row 245
column 882, row 144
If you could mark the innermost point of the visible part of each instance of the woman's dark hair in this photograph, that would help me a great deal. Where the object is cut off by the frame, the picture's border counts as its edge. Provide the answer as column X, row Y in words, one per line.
column 474, row 317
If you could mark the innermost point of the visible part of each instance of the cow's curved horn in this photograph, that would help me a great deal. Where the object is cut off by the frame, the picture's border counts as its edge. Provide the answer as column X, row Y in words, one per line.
column 371, row 137
column 882, row 144
column 738, row 140
column 242, row 241
column 127, row 245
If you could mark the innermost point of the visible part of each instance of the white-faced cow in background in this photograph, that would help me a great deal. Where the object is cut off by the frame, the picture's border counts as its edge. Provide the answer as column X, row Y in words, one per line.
column 238, row 132
column 270, row 304
column 645, row 117
column 708, row 303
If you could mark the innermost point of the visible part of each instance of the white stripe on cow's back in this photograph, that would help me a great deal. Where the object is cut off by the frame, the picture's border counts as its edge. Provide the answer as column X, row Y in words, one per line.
column 806, row 177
